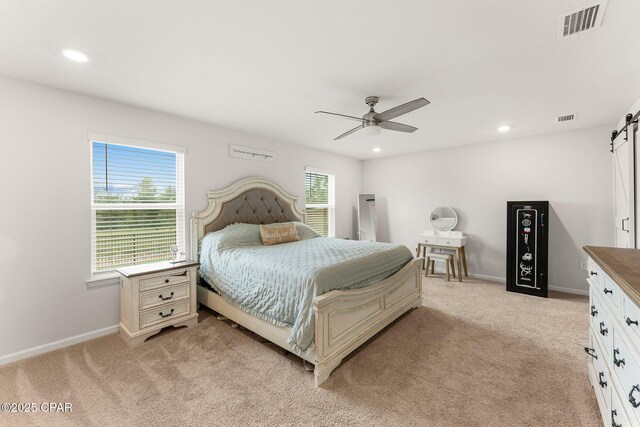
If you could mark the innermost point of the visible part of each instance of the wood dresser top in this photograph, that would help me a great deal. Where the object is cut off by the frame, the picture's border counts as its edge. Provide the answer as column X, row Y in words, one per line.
column 156, row 267
column 622, row 265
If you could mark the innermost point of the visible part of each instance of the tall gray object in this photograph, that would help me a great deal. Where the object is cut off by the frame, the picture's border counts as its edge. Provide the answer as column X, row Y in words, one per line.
column 367, row 217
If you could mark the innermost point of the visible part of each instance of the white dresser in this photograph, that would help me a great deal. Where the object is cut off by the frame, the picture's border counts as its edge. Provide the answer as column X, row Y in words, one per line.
column 154, row 296
column 614, row 337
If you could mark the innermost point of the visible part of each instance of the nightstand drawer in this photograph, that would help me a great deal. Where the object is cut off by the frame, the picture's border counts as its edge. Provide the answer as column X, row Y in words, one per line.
column 179, row 276
column 163, row 295
column 163, row 313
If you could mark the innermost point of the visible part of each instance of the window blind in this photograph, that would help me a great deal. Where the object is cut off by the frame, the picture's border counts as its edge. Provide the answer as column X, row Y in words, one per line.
column 320, row 201
column 137, row 205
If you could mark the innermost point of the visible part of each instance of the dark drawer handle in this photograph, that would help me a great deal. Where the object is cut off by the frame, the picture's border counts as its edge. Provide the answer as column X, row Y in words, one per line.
column 602, row 383
column 593, row 273
column 166, row 280
column 635, row 403
column 603, row 331
column 166, row 315
column 167, row 298
column 629, row 322
column 591, row 352
column 613, row 419
column 617, row 361
column 594, row 312
column 607, row 291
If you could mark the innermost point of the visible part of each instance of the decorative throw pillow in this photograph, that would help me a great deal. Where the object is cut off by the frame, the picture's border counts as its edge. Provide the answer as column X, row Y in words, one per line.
column 274, row 234
column 305, row 232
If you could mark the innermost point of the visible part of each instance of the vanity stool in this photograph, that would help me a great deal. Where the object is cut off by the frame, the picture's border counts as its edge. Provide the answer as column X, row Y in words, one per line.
column 447, row 258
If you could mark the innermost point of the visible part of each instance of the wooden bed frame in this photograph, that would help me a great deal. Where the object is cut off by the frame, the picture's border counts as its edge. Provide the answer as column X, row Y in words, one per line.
column 343, row 319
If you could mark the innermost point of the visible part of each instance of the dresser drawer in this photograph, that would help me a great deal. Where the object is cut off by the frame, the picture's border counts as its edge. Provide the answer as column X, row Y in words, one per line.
column 596, row 309
column 595, row 272
column 631, row 320
column 449, row 241
column 432, row 240
column 627, row 370
column 164, row 313
column 618, row 413
column 163, row 295
column 602, row 325
column 612, row 291
column 602, row 382
column 178, row 276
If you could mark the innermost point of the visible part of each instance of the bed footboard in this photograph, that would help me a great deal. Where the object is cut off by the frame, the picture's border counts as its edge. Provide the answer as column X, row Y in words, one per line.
column 346, row 319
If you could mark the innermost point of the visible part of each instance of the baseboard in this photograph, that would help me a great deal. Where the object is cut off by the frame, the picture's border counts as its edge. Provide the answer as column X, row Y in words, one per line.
column 45, row 348
column 485, row 277
column 503, row 280
column 569, row 290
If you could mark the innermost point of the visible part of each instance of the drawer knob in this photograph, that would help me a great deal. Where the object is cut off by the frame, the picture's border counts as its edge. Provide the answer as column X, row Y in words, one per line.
column 593, row 273
column 617, row 361
column 602, row 383
column 603, row 331
column 166, row 315
column 167, row 298
column 613, row 419
column 591, row 352
column 607, row 291
column 635, row 403
column 629, row 322
column 594, row 312
column 166, row 280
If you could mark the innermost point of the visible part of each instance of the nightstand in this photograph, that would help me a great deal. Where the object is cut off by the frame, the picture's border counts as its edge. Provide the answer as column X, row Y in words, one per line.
column 154, row 296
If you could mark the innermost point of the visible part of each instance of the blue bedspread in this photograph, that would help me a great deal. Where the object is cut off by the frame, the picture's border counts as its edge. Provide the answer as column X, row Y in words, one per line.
column 278, row 283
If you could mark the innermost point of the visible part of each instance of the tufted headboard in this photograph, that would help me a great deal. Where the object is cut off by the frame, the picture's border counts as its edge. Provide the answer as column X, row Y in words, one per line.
column 253, row 200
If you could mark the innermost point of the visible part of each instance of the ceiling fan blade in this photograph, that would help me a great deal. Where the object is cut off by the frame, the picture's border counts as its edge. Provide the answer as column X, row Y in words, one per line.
column 349, row 132
column 341, row 115
column 401, row 109
column 397, row 126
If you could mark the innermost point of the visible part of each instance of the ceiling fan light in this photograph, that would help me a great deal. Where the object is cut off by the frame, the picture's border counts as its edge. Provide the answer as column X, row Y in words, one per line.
column 373, row 130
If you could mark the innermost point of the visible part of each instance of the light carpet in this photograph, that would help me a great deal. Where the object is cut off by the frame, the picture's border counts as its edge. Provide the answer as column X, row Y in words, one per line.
column 473, row 355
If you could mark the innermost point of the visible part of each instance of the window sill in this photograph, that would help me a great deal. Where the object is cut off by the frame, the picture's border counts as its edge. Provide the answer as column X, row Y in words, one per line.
column 100, row 280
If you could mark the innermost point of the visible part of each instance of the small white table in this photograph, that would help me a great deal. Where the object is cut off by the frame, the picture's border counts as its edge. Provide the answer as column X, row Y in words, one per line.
column 455, row 242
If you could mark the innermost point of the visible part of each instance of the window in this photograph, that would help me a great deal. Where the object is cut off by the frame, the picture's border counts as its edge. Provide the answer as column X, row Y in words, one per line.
column 137, row 204
column 320, row 201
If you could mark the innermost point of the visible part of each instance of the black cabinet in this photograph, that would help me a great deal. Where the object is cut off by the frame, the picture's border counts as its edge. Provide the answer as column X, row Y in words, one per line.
column 528, row 247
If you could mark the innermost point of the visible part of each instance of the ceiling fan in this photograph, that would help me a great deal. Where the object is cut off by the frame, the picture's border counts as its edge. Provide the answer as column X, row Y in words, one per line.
column 382, row 120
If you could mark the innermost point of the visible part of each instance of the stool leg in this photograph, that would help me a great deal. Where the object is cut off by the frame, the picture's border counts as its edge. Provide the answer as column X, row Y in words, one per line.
column 433, row 266
column 464, row 261
column 426, row 270
column 453, row 268
column 424, row 255
column 447, row 271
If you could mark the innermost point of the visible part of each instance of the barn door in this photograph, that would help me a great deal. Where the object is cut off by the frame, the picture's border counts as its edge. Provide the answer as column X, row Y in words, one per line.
column 624, row 191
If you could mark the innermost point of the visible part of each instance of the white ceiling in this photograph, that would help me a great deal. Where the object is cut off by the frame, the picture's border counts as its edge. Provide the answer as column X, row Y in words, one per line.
column 266, row 66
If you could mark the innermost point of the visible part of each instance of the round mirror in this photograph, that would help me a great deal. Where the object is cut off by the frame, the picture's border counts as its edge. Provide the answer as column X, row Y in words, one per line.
column 443, row 218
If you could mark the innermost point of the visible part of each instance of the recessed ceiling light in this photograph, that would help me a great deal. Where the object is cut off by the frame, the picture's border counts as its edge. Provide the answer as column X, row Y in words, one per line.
column 75, row 55
column 377, row 150
column 504, row 128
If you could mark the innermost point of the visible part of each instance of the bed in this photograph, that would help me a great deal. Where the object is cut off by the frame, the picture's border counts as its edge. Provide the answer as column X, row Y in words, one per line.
column 325, row 327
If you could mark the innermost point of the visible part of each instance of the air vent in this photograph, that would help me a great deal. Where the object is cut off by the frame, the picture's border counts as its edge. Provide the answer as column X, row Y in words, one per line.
column 567, row 118
column 580, row 20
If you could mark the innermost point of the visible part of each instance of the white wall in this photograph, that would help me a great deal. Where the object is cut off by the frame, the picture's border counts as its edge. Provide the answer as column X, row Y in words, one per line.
column 572, row 170
column 45, row 213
